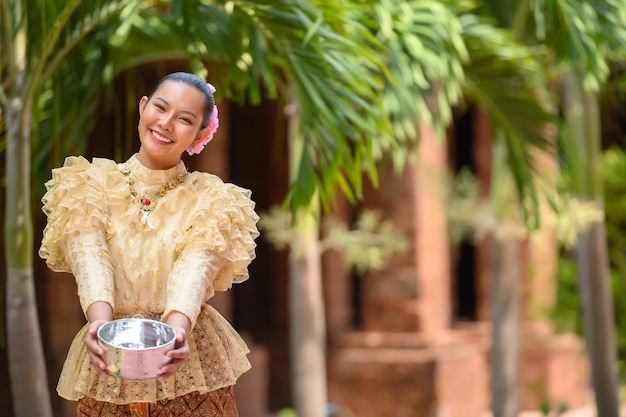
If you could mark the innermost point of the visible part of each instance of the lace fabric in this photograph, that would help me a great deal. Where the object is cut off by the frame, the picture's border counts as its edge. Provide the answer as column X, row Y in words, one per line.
column 200, row 239
column 217, row 358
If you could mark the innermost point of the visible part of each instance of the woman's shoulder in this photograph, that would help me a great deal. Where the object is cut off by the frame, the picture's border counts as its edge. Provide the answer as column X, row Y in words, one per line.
column 78, row 163
column 219, row 202
column 210, row 185
column 76, row 196
column 224, row 220
column 77, row 171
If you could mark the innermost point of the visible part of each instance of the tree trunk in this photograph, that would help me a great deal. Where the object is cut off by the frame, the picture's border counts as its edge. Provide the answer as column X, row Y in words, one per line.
column 598, row 320
column 505, row 319
column 27, row 369
column 583, row 120
column 307, row 327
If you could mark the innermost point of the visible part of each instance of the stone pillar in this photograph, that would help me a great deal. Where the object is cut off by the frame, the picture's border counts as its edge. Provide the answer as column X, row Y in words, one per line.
column 543, row 250
column 432, row 248
column 413, row 292
column 539, row 279
column 389, row 296
column 337, row 283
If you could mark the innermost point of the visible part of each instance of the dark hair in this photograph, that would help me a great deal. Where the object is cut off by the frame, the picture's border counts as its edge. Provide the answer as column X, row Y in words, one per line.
column 195, row 82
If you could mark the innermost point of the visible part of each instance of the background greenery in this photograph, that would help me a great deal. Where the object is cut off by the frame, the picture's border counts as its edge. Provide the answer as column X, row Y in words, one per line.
column 566, row 315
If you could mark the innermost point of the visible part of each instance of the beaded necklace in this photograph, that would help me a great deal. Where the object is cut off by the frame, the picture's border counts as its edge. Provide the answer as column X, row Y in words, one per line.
column 145, row 202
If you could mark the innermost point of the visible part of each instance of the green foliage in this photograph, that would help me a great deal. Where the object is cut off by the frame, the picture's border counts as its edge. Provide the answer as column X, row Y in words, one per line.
column 583, row 36
column 56, row 72
column 566, row 315
column 463, row 204
column 364, row 73
column 550, row 410
column 287, row 412
column 507, row 81
column 425, row 55
column 367, row 246
column 472, row 215
column 614, row 173
column 251, row 49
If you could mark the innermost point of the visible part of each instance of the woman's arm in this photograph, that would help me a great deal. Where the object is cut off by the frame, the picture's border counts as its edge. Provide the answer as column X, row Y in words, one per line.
column 99, row 310
column 182, row 326
column 178, row 319
column 98, row 314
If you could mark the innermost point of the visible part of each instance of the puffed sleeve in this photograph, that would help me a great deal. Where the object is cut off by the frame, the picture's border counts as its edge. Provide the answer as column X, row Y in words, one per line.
column 217, row 248
column 74, row 239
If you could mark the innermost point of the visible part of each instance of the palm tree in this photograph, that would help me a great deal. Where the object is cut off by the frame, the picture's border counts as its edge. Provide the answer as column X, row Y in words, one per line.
column 587, row 53
column 579, row 40
column 307, row 326
column 514, row 148
column 34, row 43
column 583, row 130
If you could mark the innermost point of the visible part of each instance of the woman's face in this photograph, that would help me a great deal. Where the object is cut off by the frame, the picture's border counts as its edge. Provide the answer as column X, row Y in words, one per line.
column 169, row 122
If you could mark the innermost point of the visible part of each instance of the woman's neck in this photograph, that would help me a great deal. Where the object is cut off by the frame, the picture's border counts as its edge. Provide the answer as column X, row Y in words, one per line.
column 155, row 164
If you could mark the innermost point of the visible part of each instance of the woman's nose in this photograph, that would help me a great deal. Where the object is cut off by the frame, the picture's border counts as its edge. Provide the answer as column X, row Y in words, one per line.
column 166, row 122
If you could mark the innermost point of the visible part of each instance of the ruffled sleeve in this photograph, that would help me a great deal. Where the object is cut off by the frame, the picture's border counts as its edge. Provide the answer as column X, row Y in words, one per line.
column 217, row 247
column 74, row 239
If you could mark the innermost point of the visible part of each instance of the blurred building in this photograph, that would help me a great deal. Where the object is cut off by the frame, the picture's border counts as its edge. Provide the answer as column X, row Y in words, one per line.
column 412, row 340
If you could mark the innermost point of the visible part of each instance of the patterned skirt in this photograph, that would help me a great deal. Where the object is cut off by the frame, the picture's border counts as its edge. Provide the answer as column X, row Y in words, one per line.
column 218, row 403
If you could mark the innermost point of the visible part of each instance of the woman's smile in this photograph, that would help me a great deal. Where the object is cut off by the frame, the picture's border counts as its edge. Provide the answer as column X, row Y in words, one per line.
column 169, row 122
column 159, row 137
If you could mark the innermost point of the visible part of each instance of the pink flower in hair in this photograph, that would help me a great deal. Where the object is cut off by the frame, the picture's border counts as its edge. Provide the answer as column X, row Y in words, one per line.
column 208, row 132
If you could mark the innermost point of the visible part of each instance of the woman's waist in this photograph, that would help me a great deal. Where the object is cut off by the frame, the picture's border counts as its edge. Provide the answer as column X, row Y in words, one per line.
column 149, row 315
column 139, row 313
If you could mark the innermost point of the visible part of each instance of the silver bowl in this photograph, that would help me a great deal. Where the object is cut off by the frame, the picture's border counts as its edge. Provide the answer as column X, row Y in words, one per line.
column 136, row 348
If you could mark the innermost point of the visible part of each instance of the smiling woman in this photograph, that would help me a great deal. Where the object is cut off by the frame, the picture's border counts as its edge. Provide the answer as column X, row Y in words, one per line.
column 174, row 118
column 148, row 239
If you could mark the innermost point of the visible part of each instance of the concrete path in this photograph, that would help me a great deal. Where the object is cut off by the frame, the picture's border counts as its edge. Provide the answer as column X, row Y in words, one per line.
column 589, row 411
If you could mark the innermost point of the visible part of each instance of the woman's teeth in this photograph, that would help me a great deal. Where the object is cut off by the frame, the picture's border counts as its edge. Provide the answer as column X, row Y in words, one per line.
column 160, row 138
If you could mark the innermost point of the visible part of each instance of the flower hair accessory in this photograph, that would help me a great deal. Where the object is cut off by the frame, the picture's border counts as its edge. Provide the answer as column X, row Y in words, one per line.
column 207, row 133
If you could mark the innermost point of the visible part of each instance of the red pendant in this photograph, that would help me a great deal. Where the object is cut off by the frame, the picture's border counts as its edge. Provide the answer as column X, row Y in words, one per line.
column 145, row 201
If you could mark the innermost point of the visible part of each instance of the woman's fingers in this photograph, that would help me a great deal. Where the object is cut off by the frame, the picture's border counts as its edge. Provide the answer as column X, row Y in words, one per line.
column 95, row 349
column 178, row 355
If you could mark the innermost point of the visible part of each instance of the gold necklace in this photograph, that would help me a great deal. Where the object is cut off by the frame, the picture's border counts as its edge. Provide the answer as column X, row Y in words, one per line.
column 145, row 202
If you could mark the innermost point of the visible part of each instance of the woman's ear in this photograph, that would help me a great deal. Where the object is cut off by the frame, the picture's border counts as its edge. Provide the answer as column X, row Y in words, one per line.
column 142, row 104
column 198, row 138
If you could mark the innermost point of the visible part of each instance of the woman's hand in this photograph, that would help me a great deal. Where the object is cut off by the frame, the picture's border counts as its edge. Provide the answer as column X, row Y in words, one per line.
column 95, row 349
column 178, row 355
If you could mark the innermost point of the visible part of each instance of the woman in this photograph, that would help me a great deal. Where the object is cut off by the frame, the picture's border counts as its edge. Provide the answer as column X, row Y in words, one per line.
column 148, row 239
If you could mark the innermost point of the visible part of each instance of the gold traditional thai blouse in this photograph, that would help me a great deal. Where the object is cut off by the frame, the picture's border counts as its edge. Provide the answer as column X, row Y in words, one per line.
column 199, row 238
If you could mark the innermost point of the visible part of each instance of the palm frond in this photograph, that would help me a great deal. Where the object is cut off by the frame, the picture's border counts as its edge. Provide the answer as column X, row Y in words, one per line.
column 334, row 65
column 506, row 80
column 584, row 36
column 425, row 55
column 67, row 99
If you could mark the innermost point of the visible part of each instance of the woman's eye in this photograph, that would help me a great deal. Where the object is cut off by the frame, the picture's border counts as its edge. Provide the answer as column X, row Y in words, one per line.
column 158, row 106
column 184, row 119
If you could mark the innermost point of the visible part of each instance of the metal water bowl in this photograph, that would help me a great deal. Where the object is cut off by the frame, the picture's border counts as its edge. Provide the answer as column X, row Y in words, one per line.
column 136, row 348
